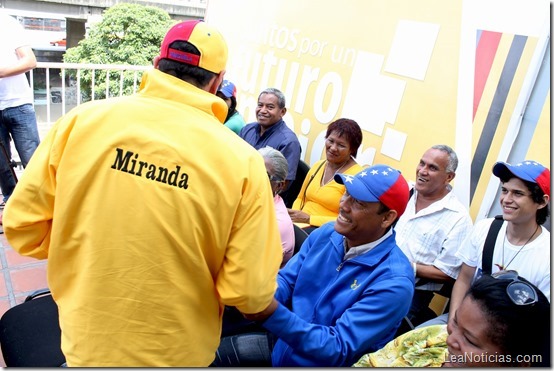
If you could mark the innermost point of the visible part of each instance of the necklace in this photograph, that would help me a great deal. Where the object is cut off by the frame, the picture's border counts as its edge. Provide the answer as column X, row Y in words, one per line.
column 504, row 267
column 323, row 182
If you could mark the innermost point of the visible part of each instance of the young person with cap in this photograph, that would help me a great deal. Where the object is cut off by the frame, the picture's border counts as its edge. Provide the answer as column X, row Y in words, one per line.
column 228, row 92
column 522, row 243
column 148, row 232
column 271, row 130
column 347, row 289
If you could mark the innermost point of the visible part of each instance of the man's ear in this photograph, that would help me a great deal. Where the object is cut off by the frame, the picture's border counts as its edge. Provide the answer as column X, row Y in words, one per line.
column 545, row 199
column 450, row 176
column 389, row 218
column 216, row 82
column 156, row 61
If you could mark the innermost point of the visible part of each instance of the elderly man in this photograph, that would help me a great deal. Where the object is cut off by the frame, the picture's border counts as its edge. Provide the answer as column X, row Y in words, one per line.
column 270, row 130
column 433, row 228
column 347, row 289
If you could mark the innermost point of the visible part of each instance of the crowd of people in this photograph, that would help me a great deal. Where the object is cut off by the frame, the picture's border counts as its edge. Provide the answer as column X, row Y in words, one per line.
column 165, row 251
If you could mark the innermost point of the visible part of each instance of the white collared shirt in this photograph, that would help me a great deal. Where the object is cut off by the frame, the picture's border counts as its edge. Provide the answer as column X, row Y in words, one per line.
column 362, row 249
column 434, row 234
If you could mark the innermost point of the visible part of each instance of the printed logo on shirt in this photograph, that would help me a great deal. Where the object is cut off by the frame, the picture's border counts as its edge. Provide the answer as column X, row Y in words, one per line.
column 354, row 285
column 129, row 163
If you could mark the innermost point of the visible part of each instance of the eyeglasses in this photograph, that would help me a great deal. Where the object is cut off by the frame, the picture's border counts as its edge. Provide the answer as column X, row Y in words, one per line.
column 272, row 178
column 520, row 292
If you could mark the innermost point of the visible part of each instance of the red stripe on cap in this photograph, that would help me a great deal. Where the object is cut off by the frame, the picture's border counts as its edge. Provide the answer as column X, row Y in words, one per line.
column 187, row 28
column 184, row 57
column 543, row 180
column 397, row 196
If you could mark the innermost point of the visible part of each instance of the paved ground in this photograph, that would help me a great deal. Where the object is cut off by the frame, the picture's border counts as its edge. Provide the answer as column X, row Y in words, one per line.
column 20, row 276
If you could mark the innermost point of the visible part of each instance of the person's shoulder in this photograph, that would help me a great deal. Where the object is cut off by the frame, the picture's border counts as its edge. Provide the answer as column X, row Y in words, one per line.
column 454, row 203
column 246, row 129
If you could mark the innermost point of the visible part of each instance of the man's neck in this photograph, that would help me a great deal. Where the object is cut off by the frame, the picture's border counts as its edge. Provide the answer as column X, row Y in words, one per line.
column 521, row 233
column 423, row 201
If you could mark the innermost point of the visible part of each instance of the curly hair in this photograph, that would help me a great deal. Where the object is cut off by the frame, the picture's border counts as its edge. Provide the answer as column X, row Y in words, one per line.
column 349, row 130
column 537, row 195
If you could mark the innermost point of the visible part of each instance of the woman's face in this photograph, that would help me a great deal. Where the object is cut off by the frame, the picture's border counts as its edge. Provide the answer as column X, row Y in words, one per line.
column 469, row 344
column 337, row 148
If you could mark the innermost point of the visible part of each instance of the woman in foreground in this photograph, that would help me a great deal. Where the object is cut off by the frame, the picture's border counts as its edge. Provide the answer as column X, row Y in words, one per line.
column 503, row 321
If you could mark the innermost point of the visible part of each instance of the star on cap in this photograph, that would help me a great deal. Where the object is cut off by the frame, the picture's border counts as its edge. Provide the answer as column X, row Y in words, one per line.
column 374, row 172
column 348, row 178
column 363, row 173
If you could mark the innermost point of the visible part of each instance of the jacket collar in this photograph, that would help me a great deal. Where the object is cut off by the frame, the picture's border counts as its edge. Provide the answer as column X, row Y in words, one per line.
column 165, row 86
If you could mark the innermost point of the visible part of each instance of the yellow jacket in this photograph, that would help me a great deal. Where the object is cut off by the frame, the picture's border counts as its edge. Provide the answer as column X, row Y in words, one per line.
column 152, row 216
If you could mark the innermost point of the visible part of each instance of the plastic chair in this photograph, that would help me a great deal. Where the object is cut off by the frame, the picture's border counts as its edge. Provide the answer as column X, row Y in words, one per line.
column 292, row 192
column 299, row 236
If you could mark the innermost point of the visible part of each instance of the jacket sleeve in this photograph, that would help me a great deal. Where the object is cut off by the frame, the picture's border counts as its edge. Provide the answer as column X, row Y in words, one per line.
column 247, row 279
column 291, row 151
column 361, row 328
column 29, row 211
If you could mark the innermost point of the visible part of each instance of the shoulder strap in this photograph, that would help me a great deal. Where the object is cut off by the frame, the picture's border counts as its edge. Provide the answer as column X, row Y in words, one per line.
column 490, row 241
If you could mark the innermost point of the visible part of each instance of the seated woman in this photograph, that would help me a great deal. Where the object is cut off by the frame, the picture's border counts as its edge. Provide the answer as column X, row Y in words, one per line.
column 318, row 200
column 277, row 170
column 503, row 321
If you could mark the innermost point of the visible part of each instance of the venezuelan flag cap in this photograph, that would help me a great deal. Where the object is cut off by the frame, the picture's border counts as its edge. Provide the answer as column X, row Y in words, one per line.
column 208, row 40
column 378, row 183
column 528, row 170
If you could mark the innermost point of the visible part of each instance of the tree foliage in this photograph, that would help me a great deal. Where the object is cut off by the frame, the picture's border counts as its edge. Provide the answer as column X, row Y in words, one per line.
column 127, row 34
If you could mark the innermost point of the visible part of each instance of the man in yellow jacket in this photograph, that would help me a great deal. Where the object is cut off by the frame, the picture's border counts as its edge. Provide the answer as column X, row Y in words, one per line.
column 153, row 216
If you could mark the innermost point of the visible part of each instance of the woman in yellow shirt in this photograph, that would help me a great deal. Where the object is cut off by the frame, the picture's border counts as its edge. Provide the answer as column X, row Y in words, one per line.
column 318, row 200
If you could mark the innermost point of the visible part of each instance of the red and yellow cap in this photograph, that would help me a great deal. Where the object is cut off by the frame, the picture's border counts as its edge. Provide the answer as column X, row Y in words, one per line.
column 208, row 40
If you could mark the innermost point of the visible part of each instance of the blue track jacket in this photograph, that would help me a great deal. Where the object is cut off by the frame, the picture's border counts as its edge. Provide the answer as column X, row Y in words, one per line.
column 334, row 311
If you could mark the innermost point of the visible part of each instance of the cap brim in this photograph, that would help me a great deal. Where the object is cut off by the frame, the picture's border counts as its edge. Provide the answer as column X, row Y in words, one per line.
column 505, row 170
column 356, row 188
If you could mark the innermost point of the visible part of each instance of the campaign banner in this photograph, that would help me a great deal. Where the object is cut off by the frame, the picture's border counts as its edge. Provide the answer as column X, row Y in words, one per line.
column 411, row 73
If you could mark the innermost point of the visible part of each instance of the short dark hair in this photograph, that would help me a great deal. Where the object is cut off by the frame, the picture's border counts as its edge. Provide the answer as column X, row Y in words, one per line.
column 516, row 329
column 537, row 195
column 452, row 157
column 350, row 130
column 281, row 101
column 194, row 75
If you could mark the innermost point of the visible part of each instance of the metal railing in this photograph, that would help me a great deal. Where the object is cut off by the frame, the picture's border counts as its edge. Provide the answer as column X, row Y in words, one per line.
column 62, row 90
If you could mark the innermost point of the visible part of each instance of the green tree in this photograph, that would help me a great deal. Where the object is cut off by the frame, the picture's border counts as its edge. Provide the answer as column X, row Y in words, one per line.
column 127, row 34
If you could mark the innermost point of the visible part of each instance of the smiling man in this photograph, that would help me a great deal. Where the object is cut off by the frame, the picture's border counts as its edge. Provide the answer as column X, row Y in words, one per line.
column 347, row 289
column 432, row 229
column 270, row 130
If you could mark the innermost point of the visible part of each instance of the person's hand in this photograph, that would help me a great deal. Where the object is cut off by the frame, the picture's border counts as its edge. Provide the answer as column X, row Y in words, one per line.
column 264, row 314
column 298, row 216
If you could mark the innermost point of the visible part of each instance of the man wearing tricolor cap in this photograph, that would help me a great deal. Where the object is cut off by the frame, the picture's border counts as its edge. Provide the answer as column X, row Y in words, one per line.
column 153, row 216
column 521, row 243
column 347, row 289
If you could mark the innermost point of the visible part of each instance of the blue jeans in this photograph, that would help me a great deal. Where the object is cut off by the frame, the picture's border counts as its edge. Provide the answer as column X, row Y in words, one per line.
column 21, row 123
column 245, row 350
